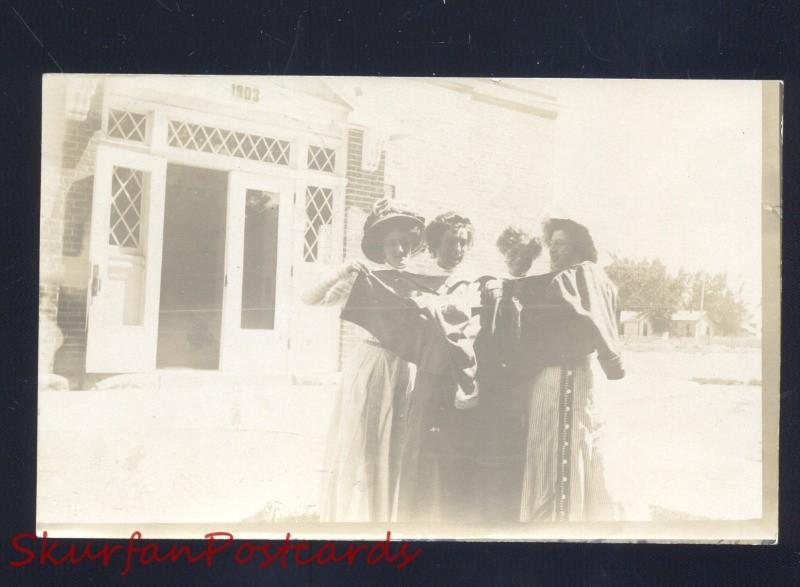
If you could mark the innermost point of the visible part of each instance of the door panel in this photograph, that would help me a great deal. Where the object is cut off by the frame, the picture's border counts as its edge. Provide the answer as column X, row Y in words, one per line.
column 318, row 233
column 258, row 254
column 125, row 257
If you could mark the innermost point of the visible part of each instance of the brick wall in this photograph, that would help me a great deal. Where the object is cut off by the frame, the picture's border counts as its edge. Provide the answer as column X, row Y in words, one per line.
column 50, row 337
column 363, row 189
column 77, row 216
column 65, row 218
column 51, row 268
column 492, row 164
column 70, row 358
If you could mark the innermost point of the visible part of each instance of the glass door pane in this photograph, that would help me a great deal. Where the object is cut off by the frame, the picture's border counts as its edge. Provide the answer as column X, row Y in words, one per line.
column 260, row 262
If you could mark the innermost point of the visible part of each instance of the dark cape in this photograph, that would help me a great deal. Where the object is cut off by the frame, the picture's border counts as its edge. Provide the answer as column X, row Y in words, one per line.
column 532, row 322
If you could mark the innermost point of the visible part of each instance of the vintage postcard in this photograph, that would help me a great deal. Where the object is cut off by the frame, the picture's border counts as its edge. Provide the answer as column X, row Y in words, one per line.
column 459, row 308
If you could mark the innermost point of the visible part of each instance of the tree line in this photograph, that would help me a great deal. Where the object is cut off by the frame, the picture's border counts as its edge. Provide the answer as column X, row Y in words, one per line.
column 646, row 286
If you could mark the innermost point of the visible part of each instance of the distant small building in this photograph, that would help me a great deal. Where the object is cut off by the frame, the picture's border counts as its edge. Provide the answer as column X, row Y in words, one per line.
column 633, row 323
column 691, row 323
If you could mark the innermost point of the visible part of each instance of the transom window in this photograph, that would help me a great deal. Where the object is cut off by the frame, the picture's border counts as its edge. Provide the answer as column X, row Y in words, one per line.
column 130, row 126
column 127, row 190
column 319, row 225
column 321, row 159
column 220, row 141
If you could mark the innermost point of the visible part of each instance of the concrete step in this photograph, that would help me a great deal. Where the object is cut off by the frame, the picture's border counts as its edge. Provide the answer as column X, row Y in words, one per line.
column 179, row 379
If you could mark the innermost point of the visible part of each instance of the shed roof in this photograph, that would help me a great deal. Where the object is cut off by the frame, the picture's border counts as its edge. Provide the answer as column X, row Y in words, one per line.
column 688, row 315
column 631, row 316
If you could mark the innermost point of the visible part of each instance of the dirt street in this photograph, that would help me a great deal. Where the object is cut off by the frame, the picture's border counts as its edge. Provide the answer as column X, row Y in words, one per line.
column 674, row 448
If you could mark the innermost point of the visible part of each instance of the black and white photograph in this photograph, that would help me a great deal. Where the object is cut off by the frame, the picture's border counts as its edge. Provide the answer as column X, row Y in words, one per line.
column 453, row 308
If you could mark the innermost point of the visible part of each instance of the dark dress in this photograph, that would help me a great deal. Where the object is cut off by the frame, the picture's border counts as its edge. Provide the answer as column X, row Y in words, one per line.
column 501, row 414
column 406, row 313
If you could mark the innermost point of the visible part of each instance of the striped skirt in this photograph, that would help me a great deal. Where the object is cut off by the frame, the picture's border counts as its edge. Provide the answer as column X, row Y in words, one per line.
column 365, row 436
column 563, row 477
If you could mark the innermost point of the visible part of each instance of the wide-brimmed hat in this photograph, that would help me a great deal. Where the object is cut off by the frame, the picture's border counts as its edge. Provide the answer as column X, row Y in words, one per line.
column 387, row 215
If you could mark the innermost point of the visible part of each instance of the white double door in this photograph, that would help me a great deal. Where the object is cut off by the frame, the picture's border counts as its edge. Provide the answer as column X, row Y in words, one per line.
column 126, row 247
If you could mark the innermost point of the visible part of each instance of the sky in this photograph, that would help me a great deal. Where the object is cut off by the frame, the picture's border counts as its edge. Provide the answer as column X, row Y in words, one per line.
column 664, row 169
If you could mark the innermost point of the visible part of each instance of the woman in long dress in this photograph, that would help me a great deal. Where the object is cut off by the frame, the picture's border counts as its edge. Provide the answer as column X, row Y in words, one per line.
column 574, row 318
column 437, row 479
column 501, row 413
column 363, row 449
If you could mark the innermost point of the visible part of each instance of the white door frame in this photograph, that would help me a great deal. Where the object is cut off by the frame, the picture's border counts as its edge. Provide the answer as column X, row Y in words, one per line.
column 115, row 342
column 315, row 329
column 255, row 349
column 290, row 181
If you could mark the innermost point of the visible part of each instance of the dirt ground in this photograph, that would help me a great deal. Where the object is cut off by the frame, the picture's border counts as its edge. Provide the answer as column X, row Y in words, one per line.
column 677, row 448
column 674, row 447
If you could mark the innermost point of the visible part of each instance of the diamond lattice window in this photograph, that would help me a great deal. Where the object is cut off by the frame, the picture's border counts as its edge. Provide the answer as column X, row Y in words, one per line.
column 127, row 125
column 127, row 190
column 319, row 222
column 220, row 141
column 321, row 159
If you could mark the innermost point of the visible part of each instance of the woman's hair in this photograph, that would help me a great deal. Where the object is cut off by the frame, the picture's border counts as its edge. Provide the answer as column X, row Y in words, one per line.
column 578, row 234
column 514, row 237
column 444, row 222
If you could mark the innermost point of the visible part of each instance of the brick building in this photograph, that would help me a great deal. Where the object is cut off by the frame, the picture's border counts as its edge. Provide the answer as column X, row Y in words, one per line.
column 180, row 216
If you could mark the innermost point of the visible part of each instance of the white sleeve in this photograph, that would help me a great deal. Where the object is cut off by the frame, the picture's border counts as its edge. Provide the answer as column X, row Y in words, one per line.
column 332, row 291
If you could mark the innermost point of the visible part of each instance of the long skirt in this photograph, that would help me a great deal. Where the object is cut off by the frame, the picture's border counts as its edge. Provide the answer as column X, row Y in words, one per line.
column 363, row 448
column 438, row 475
column 500, row 454
column 563, row 477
